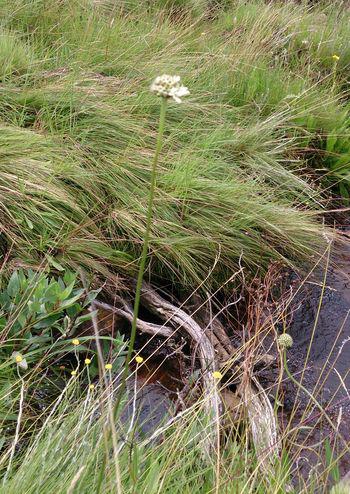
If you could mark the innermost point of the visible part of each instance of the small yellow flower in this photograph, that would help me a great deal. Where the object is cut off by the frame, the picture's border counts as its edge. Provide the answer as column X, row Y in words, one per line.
column 20, row 360
column 139, row 359
column 92, row 387
column 108, row 366
column 75, row 342
column 74, row 373
column 217, row 375
column 336, row 58
column 87, row 361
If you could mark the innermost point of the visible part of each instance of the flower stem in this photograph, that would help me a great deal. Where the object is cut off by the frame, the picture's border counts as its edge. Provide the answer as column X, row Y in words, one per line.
column 148, row 229
column 144, row 253
column 335, row 66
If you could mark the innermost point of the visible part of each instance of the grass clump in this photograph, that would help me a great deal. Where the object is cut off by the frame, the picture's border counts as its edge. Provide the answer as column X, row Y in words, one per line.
column 79, row 127
column 69, row 450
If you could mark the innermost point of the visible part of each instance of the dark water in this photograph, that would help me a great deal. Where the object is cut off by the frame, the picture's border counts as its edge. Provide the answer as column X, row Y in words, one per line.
column 151, row 394
column 327, row 336
column 320, row 360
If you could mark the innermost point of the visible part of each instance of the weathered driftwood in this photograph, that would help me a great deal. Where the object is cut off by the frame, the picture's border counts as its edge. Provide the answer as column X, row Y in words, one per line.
column 212, row 345
column 185, row 323
column 175, row 320
column 144, row 326
column 213, row 327
column 221, row 342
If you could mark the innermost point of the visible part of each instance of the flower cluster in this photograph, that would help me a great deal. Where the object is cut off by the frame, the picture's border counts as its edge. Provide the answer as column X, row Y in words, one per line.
column 285, row 341
column 169, row 86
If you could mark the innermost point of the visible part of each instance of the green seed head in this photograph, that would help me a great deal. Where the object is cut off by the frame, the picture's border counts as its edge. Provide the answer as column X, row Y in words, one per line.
column 285, row 341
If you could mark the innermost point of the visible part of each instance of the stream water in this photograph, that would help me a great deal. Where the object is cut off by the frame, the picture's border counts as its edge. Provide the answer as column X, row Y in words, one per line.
column 151, row 392
column 321, row 334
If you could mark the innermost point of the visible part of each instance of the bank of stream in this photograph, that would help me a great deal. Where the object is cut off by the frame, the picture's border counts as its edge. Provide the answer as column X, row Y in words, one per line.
column 319, row 359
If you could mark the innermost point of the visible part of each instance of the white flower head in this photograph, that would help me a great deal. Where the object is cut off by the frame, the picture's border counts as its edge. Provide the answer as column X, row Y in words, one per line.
column 169, row 86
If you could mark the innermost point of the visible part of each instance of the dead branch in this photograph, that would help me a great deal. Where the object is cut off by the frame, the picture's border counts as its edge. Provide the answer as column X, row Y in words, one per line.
column 212, row 327
column 262, row 422
column 144, row 326
column 179, row 320
column 184, row 322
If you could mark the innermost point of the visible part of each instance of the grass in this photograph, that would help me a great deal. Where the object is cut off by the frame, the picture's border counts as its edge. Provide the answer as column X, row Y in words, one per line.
column 250, row 162
column 73, row 447
column 236, row 175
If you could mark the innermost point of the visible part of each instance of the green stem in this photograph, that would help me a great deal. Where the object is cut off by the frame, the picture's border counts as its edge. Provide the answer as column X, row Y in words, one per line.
column 148, row 230
column 334, row 76
column 144, row 253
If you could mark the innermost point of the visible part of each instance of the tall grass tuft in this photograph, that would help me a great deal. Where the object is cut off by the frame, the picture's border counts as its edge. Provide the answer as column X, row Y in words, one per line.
column 237, row 175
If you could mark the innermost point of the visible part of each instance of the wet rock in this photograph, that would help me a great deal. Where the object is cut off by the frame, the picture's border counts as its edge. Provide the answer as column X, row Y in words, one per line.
column 151, row 394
